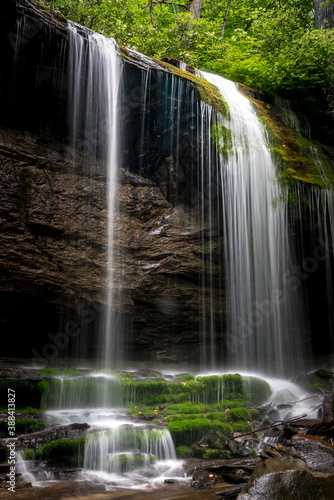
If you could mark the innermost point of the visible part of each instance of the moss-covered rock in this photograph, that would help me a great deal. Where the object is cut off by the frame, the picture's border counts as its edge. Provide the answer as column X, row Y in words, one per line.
column 298, row 158
column 69, row 451
column 123, row 390
column 317, row 381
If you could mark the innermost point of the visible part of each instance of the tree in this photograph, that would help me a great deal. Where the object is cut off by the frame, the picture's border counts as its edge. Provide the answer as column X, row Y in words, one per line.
column 226, row 18
column 195, row 8
column 324, row 14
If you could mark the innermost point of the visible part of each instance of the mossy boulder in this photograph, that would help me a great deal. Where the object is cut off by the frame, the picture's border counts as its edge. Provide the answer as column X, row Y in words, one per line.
column 318, row 381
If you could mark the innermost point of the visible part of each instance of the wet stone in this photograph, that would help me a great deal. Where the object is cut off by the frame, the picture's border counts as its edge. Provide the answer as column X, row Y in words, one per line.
column 316, row 452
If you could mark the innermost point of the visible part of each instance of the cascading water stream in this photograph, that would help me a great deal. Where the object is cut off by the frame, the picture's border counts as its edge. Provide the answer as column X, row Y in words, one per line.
column 115, row 446
column 94, row 76
column 265, row 325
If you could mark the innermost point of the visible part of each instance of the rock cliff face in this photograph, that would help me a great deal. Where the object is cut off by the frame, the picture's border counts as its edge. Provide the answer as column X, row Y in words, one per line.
column 54, row 213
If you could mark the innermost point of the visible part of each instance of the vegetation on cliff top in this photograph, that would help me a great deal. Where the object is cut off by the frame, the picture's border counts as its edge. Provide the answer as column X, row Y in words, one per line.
column 272, row 45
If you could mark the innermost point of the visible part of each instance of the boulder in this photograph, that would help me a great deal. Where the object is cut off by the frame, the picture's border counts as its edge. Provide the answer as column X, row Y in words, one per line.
column 317, row 453
column 278, row 479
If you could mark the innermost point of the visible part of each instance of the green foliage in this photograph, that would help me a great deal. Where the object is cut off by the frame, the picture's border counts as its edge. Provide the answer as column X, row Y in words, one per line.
column 268, row 44
column 183, row 451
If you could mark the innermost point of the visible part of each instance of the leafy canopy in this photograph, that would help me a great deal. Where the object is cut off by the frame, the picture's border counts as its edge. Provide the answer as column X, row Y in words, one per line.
column 272, row 45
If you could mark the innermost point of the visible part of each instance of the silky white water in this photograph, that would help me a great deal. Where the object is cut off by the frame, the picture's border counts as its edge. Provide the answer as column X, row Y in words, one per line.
column 94, row 77
column 265, row 327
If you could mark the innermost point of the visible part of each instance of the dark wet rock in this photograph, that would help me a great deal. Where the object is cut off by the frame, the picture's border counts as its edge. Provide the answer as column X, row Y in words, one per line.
column 319, row 380
column 38, row 439
column 19, row 373
column 230, row 492
column 247, row 464
column 327, row 409
column 203, row 479
column 231, row 471
column 316, row 452
column 290, row 485
column 61, row 473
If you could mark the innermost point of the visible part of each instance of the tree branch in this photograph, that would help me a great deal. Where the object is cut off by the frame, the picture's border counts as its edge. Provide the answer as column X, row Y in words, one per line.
column 225, row 20
column 275, row 424
column 167, row 2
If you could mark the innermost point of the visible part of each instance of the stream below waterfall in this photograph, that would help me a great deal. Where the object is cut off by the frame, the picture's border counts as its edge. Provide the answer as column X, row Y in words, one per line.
column 123, row 452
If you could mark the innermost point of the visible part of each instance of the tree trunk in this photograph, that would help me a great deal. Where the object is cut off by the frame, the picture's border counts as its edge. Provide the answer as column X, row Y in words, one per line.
column 226, row 18
column 195, row 8
column 324, row 16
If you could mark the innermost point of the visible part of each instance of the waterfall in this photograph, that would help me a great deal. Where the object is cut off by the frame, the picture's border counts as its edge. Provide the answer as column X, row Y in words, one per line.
column 265, row 327
column 94, row 77
column 127, row 448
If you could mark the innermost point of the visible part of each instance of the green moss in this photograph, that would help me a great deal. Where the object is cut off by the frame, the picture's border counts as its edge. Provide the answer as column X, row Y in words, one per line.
column 238, row 414
column 185, row 377
column 327, row 374
column 254, row 414
column 190, row 396
column 177, row 418
column 187, row 432
column 212, row 454
column 297, row 158
column 184, row 451
column 29, row 425
column 318, row 381
column 240, row 427
column 221, row 416
column 209, row 93
column 223, row 139
column 69, row 451
column 28, row 455
column 55, row 372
